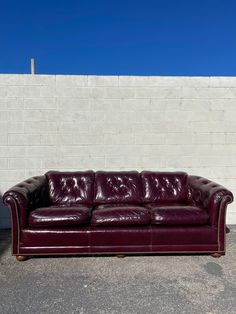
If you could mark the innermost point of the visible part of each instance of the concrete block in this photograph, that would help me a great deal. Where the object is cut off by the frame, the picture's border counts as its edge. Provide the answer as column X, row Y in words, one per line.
column 4, row 115
column 105, row 105
column 118, row 117
column 202, row 105
column 201, row 138
column 11, row 79
column 47, row 91
column 111, row 92
column 71, row 80
column 3, row 163
column 40, row 103
column 80, row 116
column 13, row 127
column 3, row 139
column 178, row 81
column 136, row 105
column 159, row 92
column 72, row 92
column 69, row 104
column 24, row 163
column 75, row 163
column 215, row 81
column 218, row 138
column 12, row 151
column 119, row 138
column 23, row 139
column 73, row 127
column 81, row 138
column 16, row 176
column 151, row 138
column 147, row 162
column 208, row 93
column 40, row 151
column 119, row 92
column 40, row 127
column 37, row 79
column 32, row 91
column 134, row 81
column 178, row 138
column 94, row 80
column 23, row 91
column 49, row 139
column 111, row 128
column 223, row 104
column 230, row 138
column 16, row 116
column 39, row 115
column 165, row 104
column 120, row 161
column 11, row 103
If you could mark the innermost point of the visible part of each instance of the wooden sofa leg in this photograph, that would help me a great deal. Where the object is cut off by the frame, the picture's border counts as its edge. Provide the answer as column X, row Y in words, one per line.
column 216, row 254
column 21, row 258
column 120, row 255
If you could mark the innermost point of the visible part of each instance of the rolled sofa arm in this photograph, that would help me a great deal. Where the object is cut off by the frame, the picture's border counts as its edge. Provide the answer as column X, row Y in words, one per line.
column 209, row 195
column 25, row 196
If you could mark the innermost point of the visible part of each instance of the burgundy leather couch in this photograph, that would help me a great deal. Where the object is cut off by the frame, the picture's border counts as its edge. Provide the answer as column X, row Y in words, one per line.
column 117, row 212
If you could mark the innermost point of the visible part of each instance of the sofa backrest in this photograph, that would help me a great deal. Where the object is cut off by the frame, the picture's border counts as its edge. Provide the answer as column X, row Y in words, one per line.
column 102, row 187
column 164, row 187
column 118, row 187
column 71, row 187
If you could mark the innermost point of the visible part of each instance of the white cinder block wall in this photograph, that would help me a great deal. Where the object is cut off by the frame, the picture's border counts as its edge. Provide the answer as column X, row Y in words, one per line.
column 117, row 122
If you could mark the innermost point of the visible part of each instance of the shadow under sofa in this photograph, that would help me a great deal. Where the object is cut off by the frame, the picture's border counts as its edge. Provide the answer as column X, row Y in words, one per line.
column 85, row 212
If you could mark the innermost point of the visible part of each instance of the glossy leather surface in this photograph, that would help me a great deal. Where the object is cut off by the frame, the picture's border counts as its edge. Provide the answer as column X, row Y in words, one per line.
column 118, row 187
column 177, row 215
column 120, row 236
column 184, row 236
column 71, row 187
column 120, row 214
column 60, row 216
column 33, row 193
column 55, row 237
column 164, row 186
column 207, row 194
column 28, row 195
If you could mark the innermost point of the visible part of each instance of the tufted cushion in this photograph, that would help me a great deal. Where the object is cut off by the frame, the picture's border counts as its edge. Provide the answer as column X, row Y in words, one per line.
column 164, row 186
column 71, row 187
column 120, row 214
column 177, row 215
column 118, row 187
column 60, row 216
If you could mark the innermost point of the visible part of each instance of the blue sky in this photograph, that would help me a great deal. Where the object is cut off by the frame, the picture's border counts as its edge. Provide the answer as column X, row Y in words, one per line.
column 123, row 37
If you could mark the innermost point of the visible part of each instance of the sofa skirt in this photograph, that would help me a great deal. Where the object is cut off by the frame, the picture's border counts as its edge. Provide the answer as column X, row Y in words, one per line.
column 117, row 240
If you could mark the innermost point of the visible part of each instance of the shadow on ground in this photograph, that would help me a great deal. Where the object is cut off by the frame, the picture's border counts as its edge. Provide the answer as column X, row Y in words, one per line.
column 5, row 240
column 5, row 234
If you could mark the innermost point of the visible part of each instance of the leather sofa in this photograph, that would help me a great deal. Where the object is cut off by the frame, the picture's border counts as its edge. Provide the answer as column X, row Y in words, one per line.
column 118, row 213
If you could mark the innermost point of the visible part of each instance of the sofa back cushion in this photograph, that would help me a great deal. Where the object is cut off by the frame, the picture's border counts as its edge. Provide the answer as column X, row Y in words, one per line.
column 164, row 187
column 118, row 187
column 71, row 187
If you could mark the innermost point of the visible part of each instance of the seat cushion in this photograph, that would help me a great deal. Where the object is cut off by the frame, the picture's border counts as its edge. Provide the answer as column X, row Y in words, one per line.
column 60, row 216
column 164, row 187
column 119, row 215
column 67, row 188
column 118, row 187
column 177, row 215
